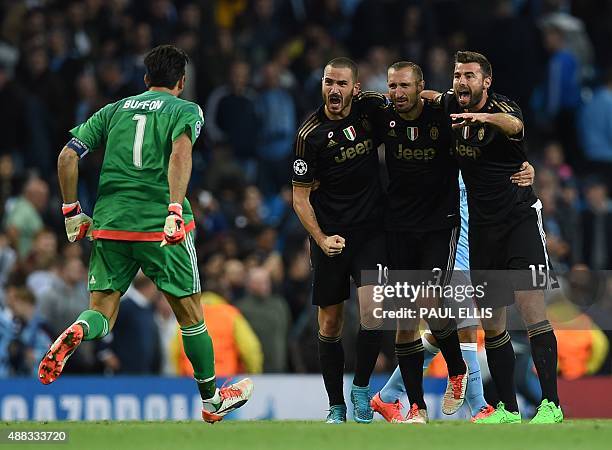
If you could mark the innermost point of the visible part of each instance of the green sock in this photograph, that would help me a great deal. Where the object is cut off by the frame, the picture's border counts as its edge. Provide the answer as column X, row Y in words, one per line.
column 94, row 323
column 199, row 349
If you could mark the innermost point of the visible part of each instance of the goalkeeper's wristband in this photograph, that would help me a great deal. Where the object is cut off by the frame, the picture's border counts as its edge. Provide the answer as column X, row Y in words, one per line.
column 176, row 209
column 71, row 209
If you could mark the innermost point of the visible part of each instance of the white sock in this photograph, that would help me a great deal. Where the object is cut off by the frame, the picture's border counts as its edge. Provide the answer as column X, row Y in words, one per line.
column 212, row 404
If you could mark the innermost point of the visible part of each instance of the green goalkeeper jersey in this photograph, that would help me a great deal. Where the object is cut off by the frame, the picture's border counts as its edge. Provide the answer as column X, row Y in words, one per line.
column 137, row 135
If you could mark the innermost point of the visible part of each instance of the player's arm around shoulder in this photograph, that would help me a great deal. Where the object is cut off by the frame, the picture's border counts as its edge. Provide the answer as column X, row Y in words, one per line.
column 372, row 99
column 433, row 96
column 508, row 124
column 507, row 117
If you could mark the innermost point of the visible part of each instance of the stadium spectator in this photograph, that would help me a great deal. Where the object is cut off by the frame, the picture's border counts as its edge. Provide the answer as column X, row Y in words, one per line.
column 554, row 159
column 597, row 226
column 12, row 116
column 133, row 347
column 65, row 297
column 48, row 106
column 231, row 117
column 261, row 31
column 23, row 218
column 437, row 68
column 377, row 63
column 582, row 345
column 233, row 279
column 40, row 263
column 24, row 336
column 277, row 124
column 558, row 98
column 8, row 260
column 166, row 325
column 237, row 348
column 269, row 316
column 595, row 129
column 297, row 287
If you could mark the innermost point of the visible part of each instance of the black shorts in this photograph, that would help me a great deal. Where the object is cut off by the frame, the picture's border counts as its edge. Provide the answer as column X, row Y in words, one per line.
column 423, row 250
column 331, row 283
column 510, row 257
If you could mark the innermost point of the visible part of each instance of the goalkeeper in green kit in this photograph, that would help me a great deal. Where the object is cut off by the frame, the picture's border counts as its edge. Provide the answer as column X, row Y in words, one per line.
column 142, row 220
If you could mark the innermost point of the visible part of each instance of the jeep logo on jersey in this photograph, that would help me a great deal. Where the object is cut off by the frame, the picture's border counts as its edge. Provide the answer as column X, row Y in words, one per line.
column 363, row 148
column 413, row 133
column 350, row 133
column 467, row 151
column 300, row 167
column 420, row 154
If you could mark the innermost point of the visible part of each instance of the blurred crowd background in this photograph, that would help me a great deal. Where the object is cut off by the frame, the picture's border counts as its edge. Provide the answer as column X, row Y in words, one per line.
column 255, row 69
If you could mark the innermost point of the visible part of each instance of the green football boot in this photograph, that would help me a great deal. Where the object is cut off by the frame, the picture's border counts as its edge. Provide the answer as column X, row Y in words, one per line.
column 548, row 412
column 501, row 415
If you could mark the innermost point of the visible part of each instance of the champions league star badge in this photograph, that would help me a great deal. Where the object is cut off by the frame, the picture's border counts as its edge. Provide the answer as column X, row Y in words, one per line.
column 300, row 167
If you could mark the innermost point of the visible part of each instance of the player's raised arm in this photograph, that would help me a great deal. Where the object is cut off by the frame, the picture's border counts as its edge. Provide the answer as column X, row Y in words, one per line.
column 508, row 124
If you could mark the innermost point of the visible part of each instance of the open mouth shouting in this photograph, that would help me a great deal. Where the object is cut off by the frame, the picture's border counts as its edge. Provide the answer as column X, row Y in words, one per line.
column 334, row 101
column 464, row 95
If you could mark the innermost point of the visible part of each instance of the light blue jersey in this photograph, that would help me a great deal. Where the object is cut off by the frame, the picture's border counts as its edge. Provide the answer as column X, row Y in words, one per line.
column 462, row 260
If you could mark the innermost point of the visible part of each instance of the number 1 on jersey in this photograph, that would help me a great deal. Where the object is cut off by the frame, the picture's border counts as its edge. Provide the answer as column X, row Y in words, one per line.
column 141, row 121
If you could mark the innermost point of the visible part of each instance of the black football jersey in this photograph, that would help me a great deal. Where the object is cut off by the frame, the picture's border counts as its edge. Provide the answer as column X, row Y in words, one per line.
column 339, row 159
column 423, row 191
column 487, row 158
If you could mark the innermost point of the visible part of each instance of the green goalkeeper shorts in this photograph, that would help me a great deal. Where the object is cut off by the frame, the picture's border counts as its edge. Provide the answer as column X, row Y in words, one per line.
column 173, row 268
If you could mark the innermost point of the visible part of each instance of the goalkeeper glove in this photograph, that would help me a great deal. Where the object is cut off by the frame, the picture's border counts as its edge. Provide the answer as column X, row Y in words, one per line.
column 174, row 228
column 78, row 224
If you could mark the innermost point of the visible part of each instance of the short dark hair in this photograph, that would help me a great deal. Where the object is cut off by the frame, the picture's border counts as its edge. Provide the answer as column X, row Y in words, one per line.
column 165, row 65
column 345, row 63
column 465, row 57
column 408, row 65
column 25, row 294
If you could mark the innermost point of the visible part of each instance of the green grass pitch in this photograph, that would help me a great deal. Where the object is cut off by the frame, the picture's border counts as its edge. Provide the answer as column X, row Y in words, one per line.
column 286, row 435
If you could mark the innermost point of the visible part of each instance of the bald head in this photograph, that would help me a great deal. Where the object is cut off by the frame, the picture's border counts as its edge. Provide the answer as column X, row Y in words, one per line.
column 258, row 282
column 36, row 191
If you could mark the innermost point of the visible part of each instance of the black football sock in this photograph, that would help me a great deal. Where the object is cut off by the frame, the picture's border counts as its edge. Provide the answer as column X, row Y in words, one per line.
column 448, row 342
column 410, row 358
column 368, row 347
column 500, row 358
column 331, row 358
column 544, row 354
